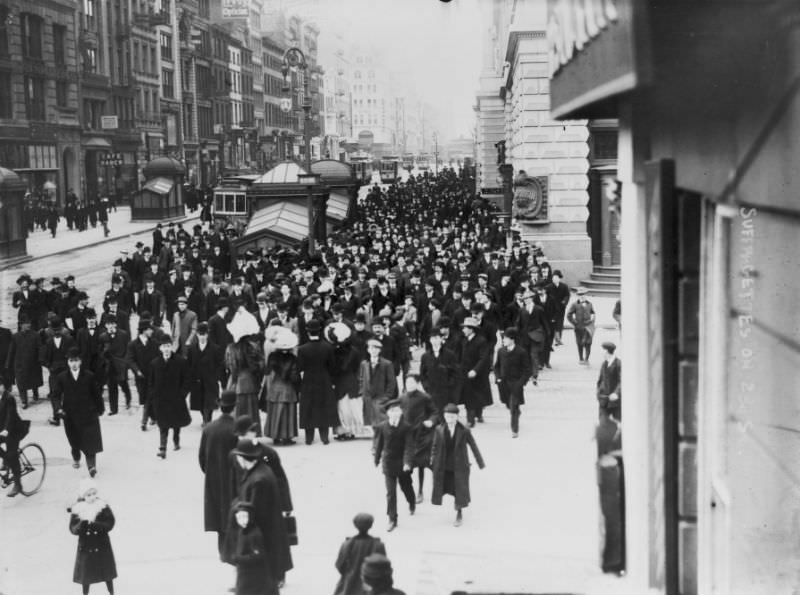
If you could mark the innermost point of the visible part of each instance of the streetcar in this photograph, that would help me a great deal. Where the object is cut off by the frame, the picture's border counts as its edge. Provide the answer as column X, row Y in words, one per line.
column 362, row 166
column 423, row 162
column 389, row 169
column 408, row 161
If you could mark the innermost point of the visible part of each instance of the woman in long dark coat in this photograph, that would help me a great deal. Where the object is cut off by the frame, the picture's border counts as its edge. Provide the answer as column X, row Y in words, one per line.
column 282, row 383
column 245, row 362
column 91, row 520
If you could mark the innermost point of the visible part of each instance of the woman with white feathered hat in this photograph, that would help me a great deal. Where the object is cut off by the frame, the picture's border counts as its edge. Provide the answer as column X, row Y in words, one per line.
column 282, row 381
column 91, row 520
column 244, row 358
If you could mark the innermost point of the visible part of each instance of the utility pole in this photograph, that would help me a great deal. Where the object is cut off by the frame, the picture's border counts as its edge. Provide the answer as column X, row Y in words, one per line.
column 436, row 152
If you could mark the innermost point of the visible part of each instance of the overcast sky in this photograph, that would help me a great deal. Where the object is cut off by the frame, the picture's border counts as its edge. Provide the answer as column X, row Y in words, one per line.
column 437, row 43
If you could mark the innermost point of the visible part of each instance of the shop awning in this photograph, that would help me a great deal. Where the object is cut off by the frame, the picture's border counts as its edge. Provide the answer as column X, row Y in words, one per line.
column 159, row 185
column 96, row 142
column 285, row 219
column 338, row 205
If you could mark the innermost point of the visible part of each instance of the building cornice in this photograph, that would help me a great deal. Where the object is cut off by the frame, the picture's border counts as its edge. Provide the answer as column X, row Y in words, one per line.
column 514, row 38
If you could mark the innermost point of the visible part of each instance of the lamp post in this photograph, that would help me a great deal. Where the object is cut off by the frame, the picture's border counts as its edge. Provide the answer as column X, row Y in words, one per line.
column 436, row 152
column 295, row 58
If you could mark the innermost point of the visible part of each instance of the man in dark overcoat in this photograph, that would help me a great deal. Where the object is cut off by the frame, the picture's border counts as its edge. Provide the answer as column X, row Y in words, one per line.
column 216, row 443
column 512, row 371
column 78, row 400
column 377, row 383
column 53, row 356
column 419, row 412
column 393, row 445
column 87, row 340
column 318, row 404
column 476, row 362
column 439, row 371
column 450, row 461
column 609, row 383
column 258, row 486
column 207, row 371
column 151, row 300
column 115, row 346
column 141, row 353
column 167, row 389
column 551, row 312
column 22, row 361
column 533, row 329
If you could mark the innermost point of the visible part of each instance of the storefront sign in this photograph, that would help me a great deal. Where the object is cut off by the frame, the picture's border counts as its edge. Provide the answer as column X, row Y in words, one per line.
column 109, row 122
column 596, row 50
column 235, row 9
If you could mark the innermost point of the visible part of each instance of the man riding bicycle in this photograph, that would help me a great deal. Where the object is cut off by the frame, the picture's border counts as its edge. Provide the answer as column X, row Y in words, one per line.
column 12, row 430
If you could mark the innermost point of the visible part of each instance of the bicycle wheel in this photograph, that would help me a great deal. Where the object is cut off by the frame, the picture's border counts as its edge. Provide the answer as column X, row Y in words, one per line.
column 33, row 465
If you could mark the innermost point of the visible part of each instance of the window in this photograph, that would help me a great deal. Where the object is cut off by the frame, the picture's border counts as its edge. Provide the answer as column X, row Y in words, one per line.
column 167, row 83
column 34, row 98
column 90, row 60
column 62, row 93
column 357, row 74
column 31, row 26
column 371, row 74
column 166, row 46
column 153, row 58
column 88, row 11
column 4, row 18
column 60, row 44
column 204, row 9
column 6, row 96
column 230, row 203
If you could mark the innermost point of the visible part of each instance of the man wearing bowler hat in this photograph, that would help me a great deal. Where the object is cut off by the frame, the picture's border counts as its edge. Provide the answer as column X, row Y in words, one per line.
column 77, row 400
column 258, row 485
column 216, row 442
column 450, row 461
column 609, row 383
column 114, row 347
column 512, row 370
column 54, row 358
column 318, row 404
column 167, row 388
column 141, row 353
column 393, row 446
column 206, row 369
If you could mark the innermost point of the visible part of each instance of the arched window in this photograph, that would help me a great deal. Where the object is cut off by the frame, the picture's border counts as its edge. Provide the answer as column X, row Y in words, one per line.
column 357, row 74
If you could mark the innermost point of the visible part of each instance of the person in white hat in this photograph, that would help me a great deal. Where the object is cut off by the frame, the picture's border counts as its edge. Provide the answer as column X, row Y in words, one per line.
column 476, row 362
column 282, row 379
column 91, row 519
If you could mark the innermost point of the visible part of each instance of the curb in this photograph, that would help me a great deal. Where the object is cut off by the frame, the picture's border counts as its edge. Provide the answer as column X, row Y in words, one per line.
column 98, row 243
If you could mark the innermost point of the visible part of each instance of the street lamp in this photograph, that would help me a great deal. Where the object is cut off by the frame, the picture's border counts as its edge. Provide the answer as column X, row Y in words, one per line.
column 295, row 58
column 310, row 181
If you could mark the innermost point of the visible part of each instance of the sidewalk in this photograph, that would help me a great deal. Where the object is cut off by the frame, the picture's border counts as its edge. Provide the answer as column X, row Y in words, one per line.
column 41, row 244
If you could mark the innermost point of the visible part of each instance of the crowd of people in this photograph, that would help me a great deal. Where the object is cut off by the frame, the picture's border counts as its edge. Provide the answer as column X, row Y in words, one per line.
column 281, row 341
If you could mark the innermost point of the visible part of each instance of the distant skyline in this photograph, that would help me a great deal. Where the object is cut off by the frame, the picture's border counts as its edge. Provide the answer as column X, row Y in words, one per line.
column 434, row 46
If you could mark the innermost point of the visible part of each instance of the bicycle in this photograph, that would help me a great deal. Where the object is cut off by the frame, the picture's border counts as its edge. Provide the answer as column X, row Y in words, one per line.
column 32, row 464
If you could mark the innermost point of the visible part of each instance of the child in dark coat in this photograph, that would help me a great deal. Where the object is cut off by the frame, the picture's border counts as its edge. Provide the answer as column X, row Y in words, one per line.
column 352, row 554
column 248, row 553
column 91, row 519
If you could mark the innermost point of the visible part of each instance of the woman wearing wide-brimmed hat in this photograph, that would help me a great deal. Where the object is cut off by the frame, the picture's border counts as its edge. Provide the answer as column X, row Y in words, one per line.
column 347, row 362
column 282, row 383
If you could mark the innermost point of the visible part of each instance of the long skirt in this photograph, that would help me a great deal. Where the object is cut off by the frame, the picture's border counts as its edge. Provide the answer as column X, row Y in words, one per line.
column 281, row 421
column 247, row 404
column 351, row 415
